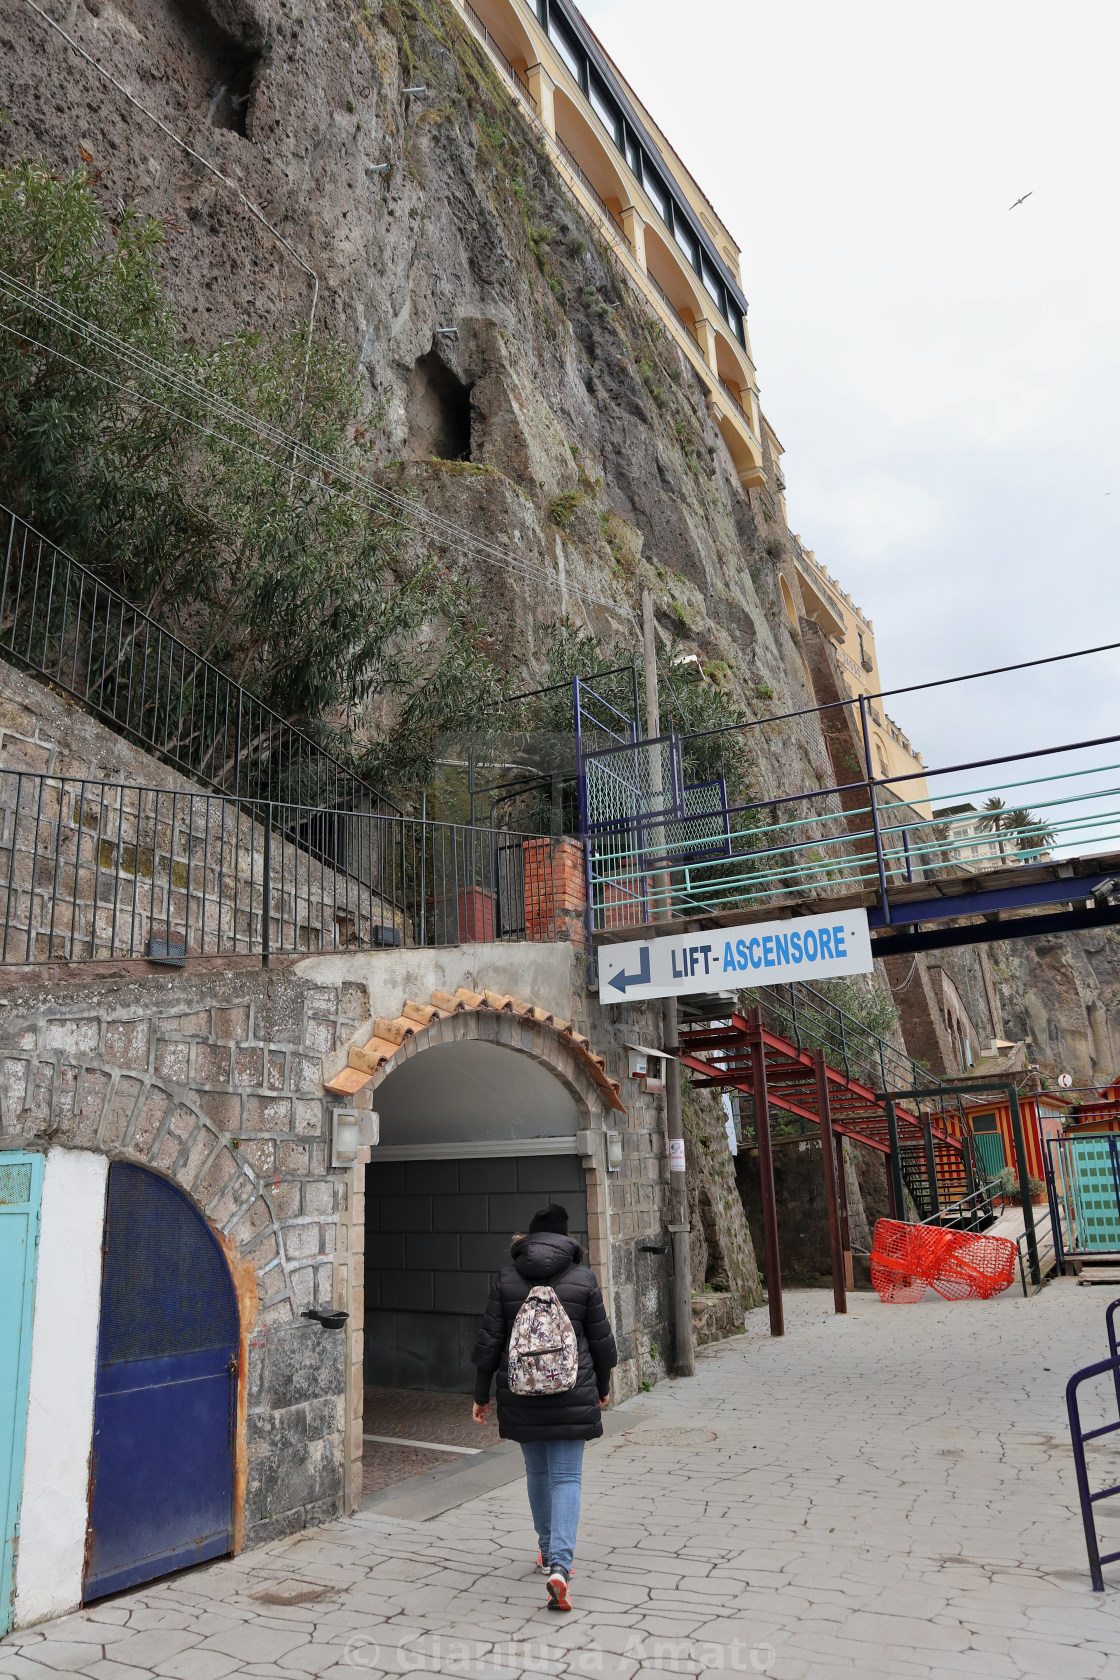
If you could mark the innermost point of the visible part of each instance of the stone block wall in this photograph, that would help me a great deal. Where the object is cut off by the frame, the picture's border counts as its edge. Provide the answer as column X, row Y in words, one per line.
column 213, row 1078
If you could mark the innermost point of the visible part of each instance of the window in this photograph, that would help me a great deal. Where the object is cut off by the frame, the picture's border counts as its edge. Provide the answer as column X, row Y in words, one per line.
column 656, row 191
column 566, row 44
column 735, row 320
column 605, row 108
column 713, row 285
column 984, row 1123
column 685, row 238
column 633, row 154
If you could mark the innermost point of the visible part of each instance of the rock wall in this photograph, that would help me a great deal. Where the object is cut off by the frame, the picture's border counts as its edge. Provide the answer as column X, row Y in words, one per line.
column 722, row 1253
column 570, row 434
column 1062, row 991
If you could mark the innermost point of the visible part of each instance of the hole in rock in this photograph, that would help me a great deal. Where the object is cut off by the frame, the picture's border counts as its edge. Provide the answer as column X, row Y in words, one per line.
column 439, row 411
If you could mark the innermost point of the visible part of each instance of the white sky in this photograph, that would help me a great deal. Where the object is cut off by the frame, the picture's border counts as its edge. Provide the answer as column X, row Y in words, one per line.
column 942, row 372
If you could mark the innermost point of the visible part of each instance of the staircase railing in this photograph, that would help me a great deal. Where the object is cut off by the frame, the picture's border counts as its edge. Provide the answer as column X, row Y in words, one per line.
column 62, row 623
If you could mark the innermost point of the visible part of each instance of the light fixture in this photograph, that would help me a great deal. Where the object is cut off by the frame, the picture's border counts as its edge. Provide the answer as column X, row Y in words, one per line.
column 352, row 1129
column 614, row 1151
column 447, row 332
column 414, row 90
column 377, row 168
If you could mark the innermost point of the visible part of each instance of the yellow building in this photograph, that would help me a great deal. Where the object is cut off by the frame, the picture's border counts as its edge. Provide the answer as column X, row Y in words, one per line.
column 624, row 174
column 853, row 639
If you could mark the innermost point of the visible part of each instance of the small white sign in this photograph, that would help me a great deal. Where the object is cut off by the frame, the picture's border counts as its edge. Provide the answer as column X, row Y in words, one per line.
column 728, row 959
column 676, row 1154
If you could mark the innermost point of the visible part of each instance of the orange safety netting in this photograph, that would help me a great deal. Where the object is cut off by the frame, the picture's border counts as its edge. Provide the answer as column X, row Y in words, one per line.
column 908, row 1259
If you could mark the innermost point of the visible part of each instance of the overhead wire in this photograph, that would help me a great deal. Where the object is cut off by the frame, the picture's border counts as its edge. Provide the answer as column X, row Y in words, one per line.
column 318, row 467
column 253, row 209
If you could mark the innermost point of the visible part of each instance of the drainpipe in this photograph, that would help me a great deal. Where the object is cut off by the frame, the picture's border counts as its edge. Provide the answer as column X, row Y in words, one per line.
column 678, row 1196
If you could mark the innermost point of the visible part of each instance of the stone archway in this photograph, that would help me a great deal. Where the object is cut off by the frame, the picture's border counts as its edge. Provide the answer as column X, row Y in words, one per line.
column 487, row 1109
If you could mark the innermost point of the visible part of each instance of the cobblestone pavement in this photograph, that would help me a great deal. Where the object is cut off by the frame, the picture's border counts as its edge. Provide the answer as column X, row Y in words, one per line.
column 882, row 1496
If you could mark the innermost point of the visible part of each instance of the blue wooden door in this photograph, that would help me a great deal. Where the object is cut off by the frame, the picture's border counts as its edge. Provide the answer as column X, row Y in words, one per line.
column 21, row 1190
column 165, row 1407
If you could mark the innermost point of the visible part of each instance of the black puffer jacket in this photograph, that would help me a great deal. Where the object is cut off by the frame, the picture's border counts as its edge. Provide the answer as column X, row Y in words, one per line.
column 574, row 1416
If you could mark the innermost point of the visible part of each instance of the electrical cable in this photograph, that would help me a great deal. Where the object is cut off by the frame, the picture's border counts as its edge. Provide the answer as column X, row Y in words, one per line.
column 475, row 545
column 319, row 469
column 253, row 209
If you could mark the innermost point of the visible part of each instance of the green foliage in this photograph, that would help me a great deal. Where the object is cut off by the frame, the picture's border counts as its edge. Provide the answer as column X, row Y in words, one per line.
column 562, row 509
column 293, row 585
column 870, row 1006
column 1008, row 1181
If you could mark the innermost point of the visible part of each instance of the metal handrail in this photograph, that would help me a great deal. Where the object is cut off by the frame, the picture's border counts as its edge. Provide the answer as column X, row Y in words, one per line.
column 93, row 870
column 62, row 623
column 569, row 159
column 1078, row 1438
column 481, row 29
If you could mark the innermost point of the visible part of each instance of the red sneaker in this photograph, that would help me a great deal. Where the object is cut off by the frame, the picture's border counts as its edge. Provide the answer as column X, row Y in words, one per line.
column 559, row 1593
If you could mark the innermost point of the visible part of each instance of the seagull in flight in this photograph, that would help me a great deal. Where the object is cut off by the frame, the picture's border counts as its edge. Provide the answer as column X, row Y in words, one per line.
column 1022, row 200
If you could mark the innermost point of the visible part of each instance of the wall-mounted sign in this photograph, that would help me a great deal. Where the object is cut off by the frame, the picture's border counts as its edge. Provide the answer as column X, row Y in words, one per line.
column 728, row 959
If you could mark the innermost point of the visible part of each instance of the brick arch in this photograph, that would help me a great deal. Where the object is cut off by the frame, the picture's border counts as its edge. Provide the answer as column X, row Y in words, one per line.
column 496, row 1018
column 543, row 1043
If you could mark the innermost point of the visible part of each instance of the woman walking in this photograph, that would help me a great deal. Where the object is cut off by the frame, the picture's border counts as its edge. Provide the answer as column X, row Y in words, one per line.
column 551, row 1427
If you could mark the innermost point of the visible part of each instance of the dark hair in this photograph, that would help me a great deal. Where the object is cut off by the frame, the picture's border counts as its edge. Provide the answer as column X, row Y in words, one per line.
column 553, row 1218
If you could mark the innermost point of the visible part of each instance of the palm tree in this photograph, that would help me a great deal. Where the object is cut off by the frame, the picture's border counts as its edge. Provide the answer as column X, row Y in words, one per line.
column 992, row 819
column 1032, row 837
column 1028, row 833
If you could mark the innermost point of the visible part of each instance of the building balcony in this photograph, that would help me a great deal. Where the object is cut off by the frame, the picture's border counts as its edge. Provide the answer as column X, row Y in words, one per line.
column 687, row 295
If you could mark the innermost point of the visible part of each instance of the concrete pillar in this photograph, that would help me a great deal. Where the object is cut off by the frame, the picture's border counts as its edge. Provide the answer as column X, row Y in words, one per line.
column 634, row 227
column 541, row 87
column 705, row 335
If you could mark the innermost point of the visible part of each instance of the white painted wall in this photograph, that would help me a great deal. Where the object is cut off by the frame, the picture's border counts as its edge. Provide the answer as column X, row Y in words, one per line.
column 63, row 1368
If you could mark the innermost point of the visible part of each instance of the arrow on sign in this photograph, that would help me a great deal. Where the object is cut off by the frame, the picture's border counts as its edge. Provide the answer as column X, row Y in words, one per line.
column 621, row 981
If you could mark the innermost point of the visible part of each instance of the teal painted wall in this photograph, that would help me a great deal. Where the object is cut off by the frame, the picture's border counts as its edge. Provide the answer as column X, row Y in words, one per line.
column 21, row 1190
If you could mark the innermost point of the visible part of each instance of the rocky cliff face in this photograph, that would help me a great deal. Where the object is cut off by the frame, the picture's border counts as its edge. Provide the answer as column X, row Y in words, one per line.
column 517, row 383
column 1062, row 992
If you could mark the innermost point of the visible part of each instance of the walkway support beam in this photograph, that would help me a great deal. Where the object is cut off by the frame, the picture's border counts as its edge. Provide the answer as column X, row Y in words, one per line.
column 931, row 1168
column 766, row 1172
column 898, row 1210
column 845, row 1225
column 831, row 1189
column 678, row 1196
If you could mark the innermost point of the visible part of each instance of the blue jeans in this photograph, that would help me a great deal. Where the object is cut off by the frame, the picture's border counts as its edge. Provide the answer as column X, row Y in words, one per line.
column 552, row 1472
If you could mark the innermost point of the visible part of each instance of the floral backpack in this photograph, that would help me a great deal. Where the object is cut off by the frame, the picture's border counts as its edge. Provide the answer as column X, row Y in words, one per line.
column 543, row 1352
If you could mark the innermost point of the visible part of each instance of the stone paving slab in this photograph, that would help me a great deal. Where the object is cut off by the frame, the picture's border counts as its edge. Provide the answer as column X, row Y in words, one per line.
column 887, row 1496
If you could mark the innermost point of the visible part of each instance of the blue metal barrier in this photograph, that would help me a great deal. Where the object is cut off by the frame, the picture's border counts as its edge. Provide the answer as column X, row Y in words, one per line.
column 1079, row 1437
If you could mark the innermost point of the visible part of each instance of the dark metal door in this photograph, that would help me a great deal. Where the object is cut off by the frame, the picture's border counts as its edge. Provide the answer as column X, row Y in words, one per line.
column 165, row 1408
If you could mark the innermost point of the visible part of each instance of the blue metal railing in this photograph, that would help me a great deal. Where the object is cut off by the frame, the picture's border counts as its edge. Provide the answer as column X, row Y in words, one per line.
column 865, row 831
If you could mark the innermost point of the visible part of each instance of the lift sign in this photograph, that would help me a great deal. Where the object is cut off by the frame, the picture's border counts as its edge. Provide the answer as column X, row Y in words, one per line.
column 728, row 959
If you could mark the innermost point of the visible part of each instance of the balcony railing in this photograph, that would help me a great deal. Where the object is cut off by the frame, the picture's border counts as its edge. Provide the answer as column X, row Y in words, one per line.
column 611, row 215
column 59, row 621
column 93, row 870
column 480, row 29
column 735, row 398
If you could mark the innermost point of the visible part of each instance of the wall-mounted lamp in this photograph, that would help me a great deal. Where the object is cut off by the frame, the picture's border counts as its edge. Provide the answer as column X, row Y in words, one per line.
column 328, row 1320
column 446, row 332
column 377, row 168
column 614, row 1151
column 414, row 90
column 352, row 1129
